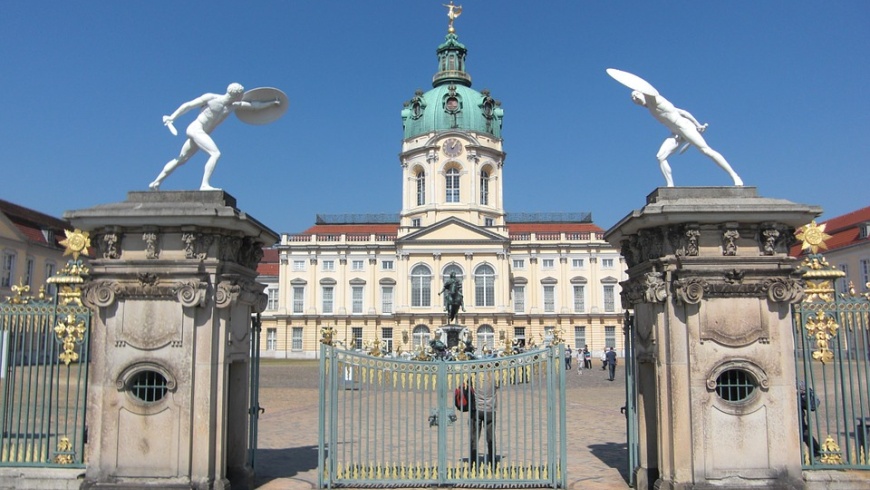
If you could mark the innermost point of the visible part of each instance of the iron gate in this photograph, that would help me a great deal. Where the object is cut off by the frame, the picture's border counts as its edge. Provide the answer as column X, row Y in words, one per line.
column 832, row 355
column 43, row 373
column 393, row 422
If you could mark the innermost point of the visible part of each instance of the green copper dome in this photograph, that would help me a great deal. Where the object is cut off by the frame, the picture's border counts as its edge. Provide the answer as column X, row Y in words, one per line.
column 452, row 104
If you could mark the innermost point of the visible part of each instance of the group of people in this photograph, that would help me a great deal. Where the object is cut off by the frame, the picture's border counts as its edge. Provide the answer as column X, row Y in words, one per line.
column 583, row 358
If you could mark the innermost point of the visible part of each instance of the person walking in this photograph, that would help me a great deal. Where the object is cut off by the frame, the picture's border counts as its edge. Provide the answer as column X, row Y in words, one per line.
column 568, row 358
column 611, row 363
column 587, row 358
column 483, row 417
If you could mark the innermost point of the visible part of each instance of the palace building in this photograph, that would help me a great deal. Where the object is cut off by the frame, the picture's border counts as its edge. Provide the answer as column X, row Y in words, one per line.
column 525, row 276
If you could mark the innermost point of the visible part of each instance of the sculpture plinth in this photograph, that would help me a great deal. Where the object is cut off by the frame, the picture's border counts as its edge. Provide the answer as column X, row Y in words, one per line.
column 711, row 285
column 173, row 285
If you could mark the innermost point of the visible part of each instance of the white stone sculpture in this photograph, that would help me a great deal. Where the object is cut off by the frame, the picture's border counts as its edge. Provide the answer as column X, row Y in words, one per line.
column 685, row 129
column 271, row 105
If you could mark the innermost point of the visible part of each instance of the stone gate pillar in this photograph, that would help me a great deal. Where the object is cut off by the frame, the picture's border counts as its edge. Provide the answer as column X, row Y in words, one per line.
column 173, row 288
column 711, row 286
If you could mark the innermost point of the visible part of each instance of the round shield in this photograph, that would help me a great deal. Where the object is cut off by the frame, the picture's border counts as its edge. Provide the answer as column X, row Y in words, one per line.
column 267, row 114
column 632, row 81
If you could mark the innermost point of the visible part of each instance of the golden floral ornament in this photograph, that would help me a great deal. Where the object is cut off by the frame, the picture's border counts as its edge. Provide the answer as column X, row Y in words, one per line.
column 70, row 331
column 76, row 243
column 813, row 237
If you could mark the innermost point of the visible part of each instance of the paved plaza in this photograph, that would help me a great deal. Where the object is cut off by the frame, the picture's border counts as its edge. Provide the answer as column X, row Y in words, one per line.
column 287, row 455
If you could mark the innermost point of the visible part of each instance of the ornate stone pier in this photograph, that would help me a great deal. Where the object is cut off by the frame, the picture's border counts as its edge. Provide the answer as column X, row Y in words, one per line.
column 711, row 286
column 173, row 286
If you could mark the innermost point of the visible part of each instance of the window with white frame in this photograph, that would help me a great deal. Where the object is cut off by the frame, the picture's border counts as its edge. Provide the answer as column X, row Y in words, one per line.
column 357, row 264
column 579, row 298
column 421, row 286
column 7, row 273
column 357, row 334
column 296, row 338
column 298, row 299
column 485, row 337
column 356, row 295
column 609, row 298
column 548, row 333
column 488, row 222
column 420, row 337
column 843, row 283
column 387, row 337
column 549, row 298
column 387, row 265
column 607, row 263
column 519, row 263
column 272, row 294
column 386, row 299
column 327, row 299
column 547, row 263
column 421, row 188
column 610, row 337
column 28, row 271
column 416, row 222
column 519, row 299
column 298, row 265
column 579, row 337
column 329, row 265
column 50, row 268
column 577, row 263
column 484, row 187
column 520, row 336
column 865, row 274
column 484, row 286
column 451, row 186
column 271, row 339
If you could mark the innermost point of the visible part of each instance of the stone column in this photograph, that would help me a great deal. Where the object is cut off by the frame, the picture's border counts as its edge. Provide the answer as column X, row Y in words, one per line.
column 173, row 288
column 711, row 286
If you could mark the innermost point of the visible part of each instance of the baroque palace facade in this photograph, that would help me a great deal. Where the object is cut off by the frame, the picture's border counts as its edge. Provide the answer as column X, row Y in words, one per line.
column 379, row 276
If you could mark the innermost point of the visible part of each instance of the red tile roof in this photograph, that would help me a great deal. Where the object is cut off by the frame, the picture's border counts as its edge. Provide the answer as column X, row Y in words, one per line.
column 31, row 223
column 270, row 269
column 844, row 230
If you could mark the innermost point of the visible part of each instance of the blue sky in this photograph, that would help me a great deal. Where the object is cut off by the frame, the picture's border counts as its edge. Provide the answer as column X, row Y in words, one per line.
column 783, row 85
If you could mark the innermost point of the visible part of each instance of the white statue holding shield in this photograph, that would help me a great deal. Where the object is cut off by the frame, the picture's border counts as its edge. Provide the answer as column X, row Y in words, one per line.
column 258, row 106
column 685, row 129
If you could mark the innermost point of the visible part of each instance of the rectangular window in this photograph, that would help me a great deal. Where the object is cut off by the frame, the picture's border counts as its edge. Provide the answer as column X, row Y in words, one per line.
column 357, row 265
column 272, row 304
column 488, row 222
column 549, row 299
column 298, row 265
column 843, row 282
column 387, row 265
column 519, row 299
column 547, row 263
column 327, row 299
column 609, row 299
column 49, row 272
column 579, row 337
column 484, row 188
column 548, row 333
column 328, row 265
column 579, row 298
column 271, row 339
column 519, row 264
column 357, row 337
column 610, row 337
column 298, row 299
column 865, row 274
column 387, row 336
column 416, row 223
column 28, row 271
column 577, row 263
column 607, row 263
column 452, row 185
column 520, row 336
column 8, row 271
column 387, row 299
column 296, row 338
column 356, row 294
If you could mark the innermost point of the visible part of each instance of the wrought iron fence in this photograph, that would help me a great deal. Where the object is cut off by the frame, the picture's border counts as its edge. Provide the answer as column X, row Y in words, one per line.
column 396, row 423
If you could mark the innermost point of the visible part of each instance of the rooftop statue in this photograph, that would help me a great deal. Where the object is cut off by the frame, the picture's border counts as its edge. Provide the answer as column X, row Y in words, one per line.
column 685, row 129
column 258, row 106
column 453, row 11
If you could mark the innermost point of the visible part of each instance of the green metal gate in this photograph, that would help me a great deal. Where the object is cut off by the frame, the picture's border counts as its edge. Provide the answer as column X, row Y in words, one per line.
column 631, row 419
column 832, row 352
column 393, row 423
column 43, row 373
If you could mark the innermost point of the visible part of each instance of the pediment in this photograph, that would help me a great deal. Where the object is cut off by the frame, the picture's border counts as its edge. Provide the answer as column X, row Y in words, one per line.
column 452, row 230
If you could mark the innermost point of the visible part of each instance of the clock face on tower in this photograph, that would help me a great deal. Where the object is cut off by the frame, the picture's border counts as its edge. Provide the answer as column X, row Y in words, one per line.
column 452, row 147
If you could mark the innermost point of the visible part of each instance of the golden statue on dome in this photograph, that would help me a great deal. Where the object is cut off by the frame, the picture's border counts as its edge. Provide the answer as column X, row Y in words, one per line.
column 453, row 11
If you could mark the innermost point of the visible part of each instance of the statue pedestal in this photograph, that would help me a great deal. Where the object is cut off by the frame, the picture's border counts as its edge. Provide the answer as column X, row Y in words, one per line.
column 711, row 286
column 453, row 332
column 173, row 287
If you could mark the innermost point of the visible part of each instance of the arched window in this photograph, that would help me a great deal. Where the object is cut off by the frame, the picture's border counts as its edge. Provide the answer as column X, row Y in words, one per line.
column 452, row 268
column 485, row 337
column 452, row 185
column 421, row 286
column 484, row 286
column 421, row 188
column 484, row 187
column 420, row 337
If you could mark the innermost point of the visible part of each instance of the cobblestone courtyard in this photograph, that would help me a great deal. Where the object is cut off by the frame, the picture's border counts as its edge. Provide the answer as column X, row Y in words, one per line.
column 287, row 455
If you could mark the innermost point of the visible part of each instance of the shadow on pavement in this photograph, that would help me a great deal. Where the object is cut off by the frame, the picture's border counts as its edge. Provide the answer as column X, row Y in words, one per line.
column 614, row 455
column 284, row 463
